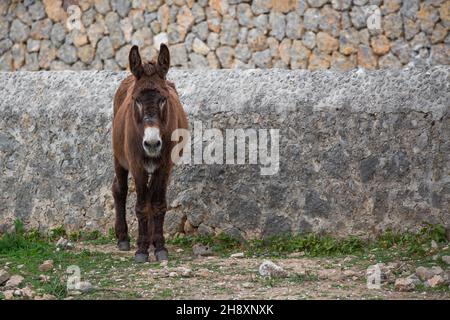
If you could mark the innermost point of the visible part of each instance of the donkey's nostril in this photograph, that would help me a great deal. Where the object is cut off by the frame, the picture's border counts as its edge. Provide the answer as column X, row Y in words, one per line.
column 152, row 144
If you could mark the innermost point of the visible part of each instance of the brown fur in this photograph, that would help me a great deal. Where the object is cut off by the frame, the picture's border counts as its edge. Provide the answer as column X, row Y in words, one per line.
column 129, row 155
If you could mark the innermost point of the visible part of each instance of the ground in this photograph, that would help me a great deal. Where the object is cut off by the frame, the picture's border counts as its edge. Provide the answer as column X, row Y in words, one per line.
column 310, row 275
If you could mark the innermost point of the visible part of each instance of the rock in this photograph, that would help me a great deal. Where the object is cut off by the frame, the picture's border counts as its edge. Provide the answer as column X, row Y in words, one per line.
column 393, row 26
column 330, row 21
column 428, row 16
column 411, row 28
column 173, row 274
column 440, row 54
column 19, row 31
column 201, row 250
column 5, row 45
column 32, row 45
column 256, row 40
column 64, row 243
column 380, row 45
column 244, row 15
column 342, row 62
column 359, row 16
column 44, row 278
column 406, row 284
column 46, row 266
column 185, row 18
column 198, row 13
column 237, row 255
column 341, row 4
column 299, row 55
column 185, row 272
column 263, row 59
column 213, row 19
column 294, row 26
column 389, row 61
column 271, row 270
column 55, row 10
column 366, row 58
column 278, row 25
column 102, row 6
column 178, row 55
column 27, row 293
column 122, row 7
column 57, row 34
column 85, row 287
column 67, row 53
column 225, row 56
column 4, row 276
column 348, row 41
column 213, row 62
column 41, row 29
column 95, row 33
column 326, row 43
column 8, row 294
column 311, row 19
column 141, row 38
column 14, row 282
column 434, row 245
column 435, row 281
column 439, row 33
column 175, row 33
column 309, row 40
column 446, row 259
column 424, row 273
column 261, row 6
column 86, row 54
column 230, row 30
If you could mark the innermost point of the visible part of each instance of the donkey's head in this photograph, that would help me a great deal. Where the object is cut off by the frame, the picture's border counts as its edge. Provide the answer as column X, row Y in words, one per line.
column 150, row 98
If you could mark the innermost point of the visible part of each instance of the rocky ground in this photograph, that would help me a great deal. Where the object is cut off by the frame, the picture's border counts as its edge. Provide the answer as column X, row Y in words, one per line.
column 196, row 273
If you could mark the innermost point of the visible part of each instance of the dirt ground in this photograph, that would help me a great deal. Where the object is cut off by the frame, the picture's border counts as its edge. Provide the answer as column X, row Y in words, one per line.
column 238, row 278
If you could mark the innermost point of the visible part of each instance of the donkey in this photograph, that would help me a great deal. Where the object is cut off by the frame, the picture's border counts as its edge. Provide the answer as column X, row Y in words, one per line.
column 147, row 110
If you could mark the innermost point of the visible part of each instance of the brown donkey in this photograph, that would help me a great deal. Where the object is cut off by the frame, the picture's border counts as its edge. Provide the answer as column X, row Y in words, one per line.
column 147, row 110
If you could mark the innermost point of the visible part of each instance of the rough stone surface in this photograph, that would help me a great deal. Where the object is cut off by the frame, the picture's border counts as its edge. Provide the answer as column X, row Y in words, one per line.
column 363, row 142
column 112, row 26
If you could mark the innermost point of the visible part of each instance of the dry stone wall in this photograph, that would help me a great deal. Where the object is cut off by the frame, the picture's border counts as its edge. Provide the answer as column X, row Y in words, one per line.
column 294, row 34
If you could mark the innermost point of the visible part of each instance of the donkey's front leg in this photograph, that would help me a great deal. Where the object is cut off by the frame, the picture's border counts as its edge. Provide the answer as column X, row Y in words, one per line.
column 144, row 215
column 158, row 188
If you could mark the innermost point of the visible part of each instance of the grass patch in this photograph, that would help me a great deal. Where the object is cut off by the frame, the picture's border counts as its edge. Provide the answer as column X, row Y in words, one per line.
column 387, row 246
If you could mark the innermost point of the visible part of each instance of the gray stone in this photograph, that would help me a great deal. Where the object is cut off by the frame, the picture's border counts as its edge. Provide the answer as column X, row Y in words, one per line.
column 178, row 55
column 230, row 30
column 37, row 10
column 5, row 45
column 102, row 6
column 198, row 13
column 262, row 59
column 311, row 19
column 213, row 40
column 41, row 29
column 67, row 53
column 4, row 276
column 341, row 4
column 242, row 52
column 105, row 49
column 31, row 62
column 245, row 15
column 294, row 26
column 57, row 34
column 201, row 30
column 262, row 22
column 278, row 25
column 271, row 270
column 261, row 6
column 122, row 56
column 4, row 27
column 225, row 56
column 19, row 31
column 309, row 39
column 122, row 7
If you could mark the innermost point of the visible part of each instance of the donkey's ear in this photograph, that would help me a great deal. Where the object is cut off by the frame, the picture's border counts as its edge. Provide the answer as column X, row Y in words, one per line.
column 163, row 60
column 135, row 62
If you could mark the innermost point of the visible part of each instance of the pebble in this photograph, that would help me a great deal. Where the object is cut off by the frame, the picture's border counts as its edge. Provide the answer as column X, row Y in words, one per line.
column 237, row 255
column 201, row 250
column 270, row 269
column 46, row 266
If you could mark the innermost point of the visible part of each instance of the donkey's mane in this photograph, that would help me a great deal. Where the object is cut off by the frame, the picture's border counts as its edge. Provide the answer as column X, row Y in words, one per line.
column 149, row 67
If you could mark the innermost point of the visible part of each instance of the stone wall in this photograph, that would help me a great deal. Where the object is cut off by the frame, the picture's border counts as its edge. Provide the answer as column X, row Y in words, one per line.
column 359, row 152
column 295, row 34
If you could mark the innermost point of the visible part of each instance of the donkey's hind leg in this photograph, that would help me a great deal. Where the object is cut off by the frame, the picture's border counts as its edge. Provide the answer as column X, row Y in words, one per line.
column 120, row 190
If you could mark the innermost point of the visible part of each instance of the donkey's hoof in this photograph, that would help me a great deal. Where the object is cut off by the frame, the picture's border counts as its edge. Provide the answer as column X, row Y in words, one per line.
column 123, row 245
column 141, row 257
column 162, row 255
